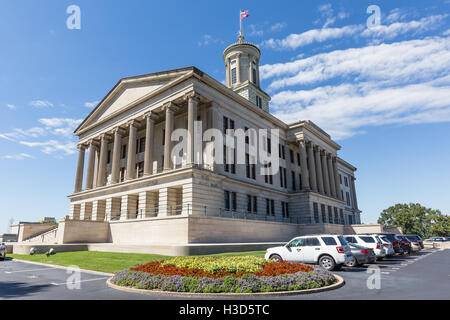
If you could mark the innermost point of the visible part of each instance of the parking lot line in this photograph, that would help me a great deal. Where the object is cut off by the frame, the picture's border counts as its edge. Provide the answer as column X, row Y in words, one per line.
column 63, row 283
column 28, row 270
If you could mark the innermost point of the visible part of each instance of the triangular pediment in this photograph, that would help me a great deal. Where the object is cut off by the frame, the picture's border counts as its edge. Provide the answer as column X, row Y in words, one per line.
column 129, row 91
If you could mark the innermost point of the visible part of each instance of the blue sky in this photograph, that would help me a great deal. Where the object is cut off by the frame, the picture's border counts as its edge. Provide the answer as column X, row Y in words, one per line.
column 383, row 92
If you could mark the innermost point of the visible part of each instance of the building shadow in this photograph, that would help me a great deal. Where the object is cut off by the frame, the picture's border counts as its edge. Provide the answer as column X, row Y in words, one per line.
column 19, row 289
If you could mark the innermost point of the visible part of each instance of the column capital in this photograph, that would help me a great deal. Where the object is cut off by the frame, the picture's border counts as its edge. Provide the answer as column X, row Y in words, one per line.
column 81, row 147
column 152, row 115
column 170, row 106
column 105, row 136
column 119, row 130
column 192, row 95
column 94, row 143
column 311, row 144
column 133, row 123
column 316, row 148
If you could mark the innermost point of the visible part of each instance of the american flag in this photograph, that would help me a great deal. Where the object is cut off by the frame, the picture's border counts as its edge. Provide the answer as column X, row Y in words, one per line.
column 244, row 14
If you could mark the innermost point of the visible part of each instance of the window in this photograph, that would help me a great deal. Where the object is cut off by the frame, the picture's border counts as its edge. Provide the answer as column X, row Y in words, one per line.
column 351, row 239
column 164, row 137
column 267, row 207
column 233, row 165
column 312, row 242
column 367, row 239
column 298, row 159
column 249, row 203
column 297, row 243
column 255, row 204
column 285, row 177
column 330, row 215
column 258, row 101
column 272, row 207
column 342, row 194
column 247, row 165
column 226, row 200
column 233, row 201
column 316, row 212
column 284, row 209
column 299, row 181
column 225, row 125
column 340, row 178
column 347, row 196
column 336, row 216
column 140, row 169
column 341, row 215
column 231, row 124
column 246, row 135
column 324, row 214
column 346, row 181
column 269, row 145
column 123, row 153
column 281, row 177
column 254, row 72
column 283, row 153
column 253, row 166
column 233, row 76
column 122, row 174
column 329, row 241
column 140, row 145
column 108, row 161
column 294, row 185
column 350, row 219
column 225, row 162
column 291, row 155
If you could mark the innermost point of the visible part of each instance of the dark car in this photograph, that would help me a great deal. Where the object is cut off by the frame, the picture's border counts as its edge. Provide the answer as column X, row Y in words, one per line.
column 415, row 239
column 361, row 255
column 392, row 237
column 405, row 243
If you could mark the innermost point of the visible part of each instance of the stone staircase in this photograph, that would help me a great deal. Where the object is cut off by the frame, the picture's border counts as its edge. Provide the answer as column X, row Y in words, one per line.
column 48, row 236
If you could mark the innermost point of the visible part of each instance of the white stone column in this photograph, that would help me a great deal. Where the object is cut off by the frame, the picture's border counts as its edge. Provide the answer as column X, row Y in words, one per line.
column 98, row 210
column 336, row 179
column 103, row 159
column 312, row 167
column 167, row 141
column 353, row 191
column 86, row 211
column 304, row 165
column 250, row 69
column 331, row 176
column 149, row 137
column 131, row 156
column 326, row 182
column 80, row 169
column 115, row 166
column 129, row 207
column 97, row 160
column 192, row 116
column 113, row 208
column 319, row 170
column 227, row 73
column 91, row 166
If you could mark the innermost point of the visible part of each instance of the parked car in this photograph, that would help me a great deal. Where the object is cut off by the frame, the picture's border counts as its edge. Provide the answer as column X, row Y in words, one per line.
column 361, row 255
column 368, row 240
column 2, row 251
column 437, row 239
column 405, row 243
column 329, row 251
column 392, row 237
column 414, row 238
column 388, row 246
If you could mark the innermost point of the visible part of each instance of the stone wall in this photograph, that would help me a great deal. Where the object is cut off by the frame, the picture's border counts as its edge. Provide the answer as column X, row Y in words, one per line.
column 29, row 230
column 82, row 231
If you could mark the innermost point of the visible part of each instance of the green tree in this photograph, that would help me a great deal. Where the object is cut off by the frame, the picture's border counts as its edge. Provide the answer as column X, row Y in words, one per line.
column 414, row 218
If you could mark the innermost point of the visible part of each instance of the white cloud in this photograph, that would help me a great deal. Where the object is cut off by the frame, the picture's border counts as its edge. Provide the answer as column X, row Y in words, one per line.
column 41, row 103
column 375, row 35
column 91, row 104
column 293, row 41
column 400, row 61
column 18, row 133
column 208, row 39
column 19, row 156
column 11, row 106
column 255, row 31
column 53, row 146
column 278, row 26
column 400, row 83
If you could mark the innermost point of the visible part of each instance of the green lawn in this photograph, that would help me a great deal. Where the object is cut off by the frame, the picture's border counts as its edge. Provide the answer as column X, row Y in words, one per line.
column 108, row 261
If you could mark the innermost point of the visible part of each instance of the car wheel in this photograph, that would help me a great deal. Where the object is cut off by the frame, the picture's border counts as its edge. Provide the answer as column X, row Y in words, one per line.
column 276, row 258
column 327, row 262
column 352, row 263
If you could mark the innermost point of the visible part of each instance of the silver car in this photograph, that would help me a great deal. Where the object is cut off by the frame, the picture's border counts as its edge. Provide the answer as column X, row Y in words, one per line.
column 2, row 251
column 361, row 255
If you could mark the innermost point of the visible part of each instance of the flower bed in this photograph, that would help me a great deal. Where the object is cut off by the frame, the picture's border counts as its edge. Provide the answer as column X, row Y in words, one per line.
column 238, row 275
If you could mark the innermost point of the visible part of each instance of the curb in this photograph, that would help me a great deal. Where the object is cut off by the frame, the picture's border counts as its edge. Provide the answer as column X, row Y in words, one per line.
column 63, row 267
column 340, row 282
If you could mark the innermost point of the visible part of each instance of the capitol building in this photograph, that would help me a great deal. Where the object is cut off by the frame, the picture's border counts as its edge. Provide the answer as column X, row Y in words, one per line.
column 130, row 188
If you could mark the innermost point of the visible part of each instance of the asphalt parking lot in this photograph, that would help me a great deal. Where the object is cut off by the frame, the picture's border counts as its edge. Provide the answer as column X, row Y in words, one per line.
column 425, row 275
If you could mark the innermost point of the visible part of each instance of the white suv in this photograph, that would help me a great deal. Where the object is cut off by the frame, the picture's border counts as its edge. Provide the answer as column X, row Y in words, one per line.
column 329, row 251
column 370, row 241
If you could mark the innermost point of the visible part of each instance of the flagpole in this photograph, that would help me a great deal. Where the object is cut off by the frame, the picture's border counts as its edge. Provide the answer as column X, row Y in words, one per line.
column 240, row 23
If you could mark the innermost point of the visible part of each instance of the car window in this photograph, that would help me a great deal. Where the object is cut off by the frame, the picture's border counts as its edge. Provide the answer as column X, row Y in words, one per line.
column 312, row 242
column 378, row 240
column 329, row 241
column 296, row 243
column 367, row 239
column 351, row 239
column 342, row 240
